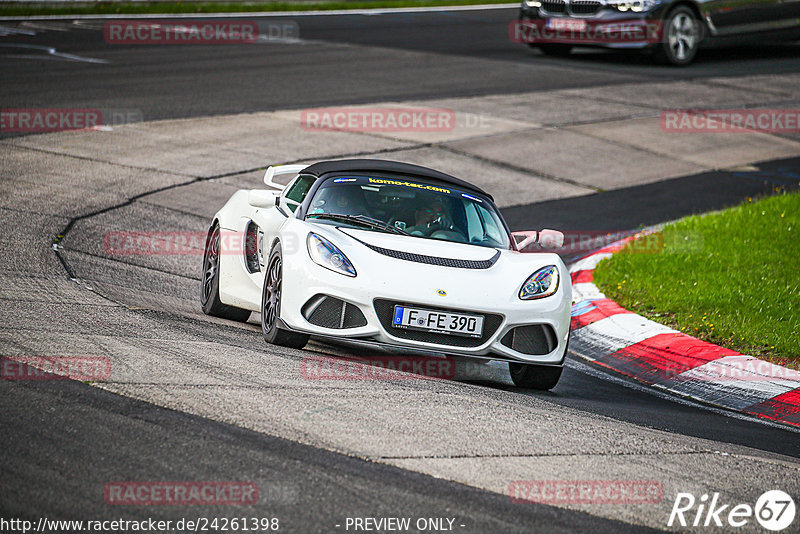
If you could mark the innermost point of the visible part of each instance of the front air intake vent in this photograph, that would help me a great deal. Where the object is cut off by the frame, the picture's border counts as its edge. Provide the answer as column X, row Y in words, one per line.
column 554, row 6
column 584, row 7
column 533, row 339
column 330, row 312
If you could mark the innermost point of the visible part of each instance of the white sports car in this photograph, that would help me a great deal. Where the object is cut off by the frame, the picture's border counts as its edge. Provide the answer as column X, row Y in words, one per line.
column 381, row 252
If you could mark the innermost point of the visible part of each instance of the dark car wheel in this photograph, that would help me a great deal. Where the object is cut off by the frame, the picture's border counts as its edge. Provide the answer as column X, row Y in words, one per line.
column 681, row 36
column 556, row 50
column 271, row 306
column 531, row 376
column 209, row 292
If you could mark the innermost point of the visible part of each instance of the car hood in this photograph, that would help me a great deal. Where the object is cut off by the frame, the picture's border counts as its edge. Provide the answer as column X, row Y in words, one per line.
column 472, row 276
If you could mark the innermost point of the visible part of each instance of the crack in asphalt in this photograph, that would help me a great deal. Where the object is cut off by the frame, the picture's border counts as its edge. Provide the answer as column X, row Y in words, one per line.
column 544, row 455
column 147, row 267
column 523, row 170
column 96, row 160
column 59, row 238
column 571, row 124
column 443, row 145
column 723, row 85
column 50, row 302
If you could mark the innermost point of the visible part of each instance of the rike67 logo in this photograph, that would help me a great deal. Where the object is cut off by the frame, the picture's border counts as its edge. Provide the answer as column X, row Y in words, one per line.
column 774, row 510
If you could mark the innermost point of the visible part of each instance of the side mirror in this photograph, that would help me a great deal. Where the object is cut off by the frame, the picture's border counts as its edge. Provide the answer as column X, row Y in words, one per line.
column 258, row 198
column 550, row 239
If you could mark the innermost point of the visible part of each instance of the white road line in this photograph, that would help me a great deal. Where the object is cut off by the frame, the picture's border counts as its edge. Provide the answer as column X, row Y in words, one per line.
column 5, row 30
column 49, row 50
column 60, row 27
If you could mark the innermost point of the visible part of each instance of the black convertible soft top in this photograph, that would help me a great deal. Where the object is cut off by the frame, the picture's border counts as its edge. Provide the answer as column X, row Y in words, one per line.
column 380, row 165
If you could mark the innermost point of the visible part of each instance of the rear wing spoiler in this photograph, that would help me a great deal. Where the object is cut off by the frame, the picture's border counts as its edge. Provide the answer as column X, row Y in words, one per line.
column 279, row 170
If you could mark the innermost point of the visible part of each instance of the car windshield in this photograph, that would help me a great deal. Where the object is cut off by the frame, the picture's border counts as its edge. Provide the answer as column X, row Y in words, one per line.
column 409, row 207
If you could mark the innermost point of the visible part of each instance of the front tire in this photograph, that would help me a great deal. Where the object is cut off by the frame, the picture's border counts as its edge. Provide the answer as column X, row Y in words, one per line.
column 209, row 292
column 271, row 305
column 532, row 376
column 682, row 33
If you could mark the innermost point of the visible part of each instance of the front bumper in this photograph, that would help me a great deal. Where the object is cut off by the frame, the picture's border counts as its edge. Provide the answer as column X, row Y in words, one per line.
column 412, row 284
column 607, row 28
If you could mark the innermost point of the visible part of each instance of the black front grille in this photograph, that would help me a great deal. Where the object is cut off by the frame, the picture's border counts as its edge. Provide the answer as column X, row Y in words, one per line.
column 534, row 339
column 584, row 7
column 554, row 6
column 330, row 312
column 434, row 260
column 385, row 310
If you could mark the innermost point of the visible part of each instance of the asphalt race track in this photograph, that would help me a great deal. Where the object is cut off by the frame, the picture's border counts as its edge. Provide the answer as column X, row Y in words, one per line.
column 571, row 144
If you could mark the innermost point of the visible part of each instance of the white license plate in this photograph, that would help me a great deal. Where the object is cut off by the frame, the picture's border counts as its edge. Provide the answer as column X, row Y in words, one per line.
column 574, row 25
column 436, row 321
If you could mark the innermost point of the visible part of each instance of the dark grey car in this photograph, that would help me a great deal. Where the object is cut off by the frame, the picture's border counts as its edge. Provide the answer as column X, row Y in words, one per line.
column 672, row 29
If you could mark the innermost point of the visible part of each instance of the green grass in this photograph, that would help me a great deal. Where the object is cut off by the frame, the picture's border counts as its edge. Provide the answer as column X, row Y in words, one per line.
column 731, row 278
column 137, row 8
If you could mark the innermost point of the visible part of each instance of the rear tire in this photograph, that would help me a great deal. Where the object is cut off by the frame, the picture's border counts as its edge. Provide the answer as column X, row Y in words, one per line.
column 209, row 290
column 271, row 305
column 555, row 50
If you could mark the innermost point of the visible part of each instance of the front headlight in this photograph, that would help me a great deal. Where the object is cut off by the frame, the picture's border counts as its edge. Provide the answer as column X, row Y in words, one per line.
column 325, row 253
column 532, row 3
column 635, row 6
column 542, row 283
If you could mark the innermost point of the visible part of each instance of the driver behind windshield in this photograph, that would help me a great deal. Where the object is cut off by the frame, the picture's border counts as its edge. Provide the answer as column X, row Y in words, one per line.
column 427, row 218
column 434, row 219
column 432, row 215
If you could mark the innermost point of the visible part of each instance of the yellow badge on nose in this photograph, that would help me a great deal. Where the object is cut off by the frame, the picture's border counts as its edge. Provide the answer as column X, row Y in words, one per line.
column 442, row 293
